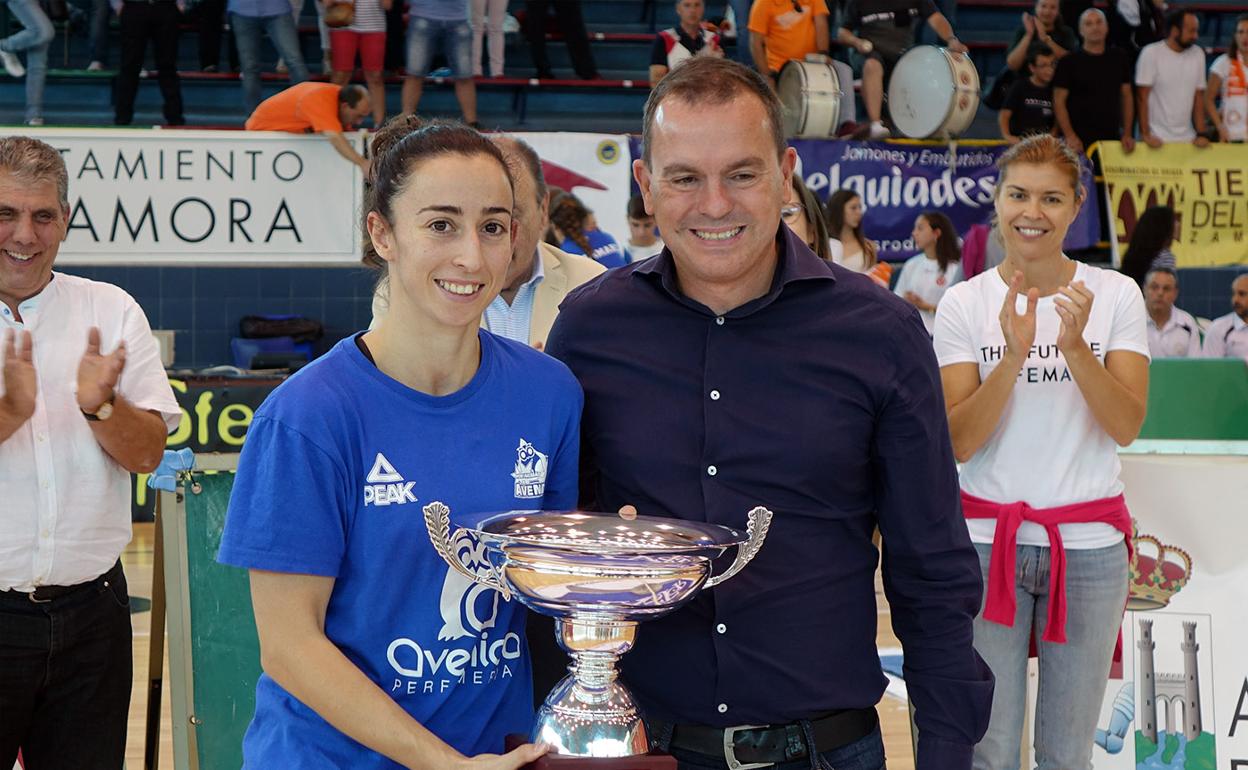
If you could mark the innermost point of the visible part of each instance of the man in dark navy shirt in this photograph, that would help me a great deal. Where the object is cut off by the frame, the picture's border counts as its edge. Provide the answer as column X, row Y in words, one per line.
column 737, row 369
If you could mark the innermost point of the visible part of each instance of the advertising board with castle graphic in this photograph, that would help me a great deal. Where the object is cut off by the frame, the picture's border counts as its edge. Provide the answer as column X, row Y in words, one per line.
column 1179, row 698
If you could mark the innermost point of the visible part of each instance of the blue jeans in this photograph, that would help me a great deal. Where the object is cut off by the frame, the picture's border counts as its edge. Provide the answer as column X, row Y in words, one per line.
column 423, row 37
column 1072, row 675
column 34, row 40
column 247, row 34
column 863, row 754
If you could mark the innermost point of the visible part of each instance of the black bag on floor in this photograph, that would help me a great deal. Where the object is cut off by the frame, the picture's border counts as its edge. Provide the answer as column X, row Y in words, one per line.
column 298, row 328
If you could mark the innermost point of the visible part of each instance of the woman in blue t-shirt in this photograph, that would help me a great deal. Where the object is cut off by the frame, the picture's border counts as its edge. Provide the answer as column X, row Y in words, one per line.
column 375, row 653
column 577, row 232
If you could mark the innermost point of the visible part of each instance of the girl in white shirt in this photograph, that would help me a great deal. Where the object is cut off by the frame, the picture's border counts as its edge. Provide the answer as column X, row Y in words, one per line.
column 1044, row 363
column 1228, row 81
column 848, row 246
column 926, row 276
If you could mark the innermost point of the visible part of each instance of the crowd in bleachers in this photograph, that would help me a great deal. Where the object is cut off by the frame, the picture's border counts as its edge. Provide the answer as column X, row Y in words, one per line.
column 373, row 40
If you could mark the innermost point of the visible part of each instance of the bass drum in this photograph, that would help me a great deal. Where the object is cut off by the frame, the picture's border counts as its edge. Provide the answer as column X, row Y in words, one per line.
column 933, row 94
column 811, row 94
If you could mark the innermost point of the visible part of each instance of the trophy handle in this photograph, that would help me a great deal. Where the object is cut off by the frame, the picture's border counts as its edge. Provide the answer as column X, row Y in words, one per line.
column 438, row 522
column 758, row 521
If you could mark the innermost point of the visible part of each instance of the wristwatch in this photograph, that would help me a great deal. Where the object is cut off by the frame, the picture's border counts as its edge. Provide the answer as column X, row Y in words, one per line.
column 102, row 412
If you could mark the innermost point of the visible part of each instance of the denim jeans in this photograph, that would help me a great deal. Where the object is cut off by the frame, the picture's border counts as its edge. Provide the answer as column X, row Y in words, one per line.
column 863, row 754
column 100, row 11
column 34, row 39
column 425, row 35
column 281, row 30
column 1072, row 675
column 65, row 677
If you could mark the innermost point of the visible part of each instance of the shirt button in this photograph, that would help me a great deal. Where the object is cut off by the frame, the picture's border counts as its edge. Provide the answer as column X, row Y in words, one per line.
column 40, row 436
column 722, row 708
column 714, row 395
column 719, row 321
column 711, row 470
column 721, row 628
column 45, row 534
column 45, row 484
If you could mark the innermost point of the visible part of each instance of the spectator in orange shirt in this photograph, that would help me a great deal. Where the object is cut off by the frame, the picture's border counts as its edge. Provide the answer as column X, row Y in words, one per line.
column 316, row 108
column 782, row 30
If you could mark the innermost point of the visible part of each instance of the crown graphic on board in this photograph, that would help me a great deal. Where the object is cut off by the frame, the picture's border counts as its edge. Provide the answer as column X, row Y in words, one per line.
column 1158, row 572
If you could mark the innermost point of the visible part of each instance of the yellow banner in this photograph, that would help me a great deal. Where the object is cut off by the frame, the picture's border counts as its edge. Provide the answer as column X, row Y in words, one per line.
column 1207, row 188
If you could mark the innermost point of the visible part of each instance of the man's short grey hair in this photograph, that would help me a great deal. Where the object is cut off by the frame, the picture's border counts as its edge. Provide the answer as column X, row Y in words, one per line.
column 521, row 154
column 1090, row 11
column 34, row 161
column 1163, row 271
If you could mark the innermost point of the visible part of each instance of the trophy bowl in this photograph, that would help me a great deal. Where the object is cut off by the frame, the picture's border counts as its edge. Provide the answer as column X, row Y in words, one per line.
column 598, row 575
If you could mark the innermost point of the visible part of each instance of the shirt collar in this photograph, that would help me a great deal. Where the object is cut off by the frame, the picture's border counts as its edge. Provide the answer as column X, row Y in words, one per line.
column 27, row 307
column 1237, row 323
column 795, row 263
column 539, row 271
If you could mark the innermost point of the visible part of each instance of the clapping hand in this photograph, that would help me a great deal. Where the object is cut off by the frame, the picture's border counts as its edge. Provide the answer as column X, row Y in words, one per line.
column 1019, row 329
column 1074, row 305
column 19, row 375
column 98, row 373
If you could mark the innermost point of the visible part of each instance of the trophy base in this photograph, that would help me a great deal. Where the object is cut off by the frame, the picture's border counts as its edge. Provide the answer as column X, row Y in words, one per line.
column 560, row 762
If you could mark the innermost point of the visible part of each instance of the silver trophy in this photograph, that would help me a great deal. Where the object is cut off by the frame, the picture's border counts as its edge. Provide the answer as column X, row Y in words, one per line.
column 598, row 575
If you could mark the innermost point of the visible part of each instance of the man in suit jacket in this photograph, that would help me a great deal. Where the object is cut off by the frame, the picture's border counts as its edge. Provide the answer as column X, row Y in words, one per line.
column 540, row 275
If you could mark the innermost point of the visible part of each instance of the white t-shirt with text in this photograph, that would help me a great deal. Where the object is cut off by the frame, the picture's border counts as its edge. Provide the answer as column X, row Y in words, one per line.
column 1048, row 449
column 1234, row 96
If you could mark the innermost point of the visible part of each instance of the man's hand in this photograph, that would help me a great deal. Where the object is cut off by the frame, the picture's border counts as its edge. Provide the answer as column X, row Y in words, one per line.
column 1201, row 141
column 98, row 373
column 1029, row 24
column 1128, row 142
column 19, row 376
column 957, row 46
column 1152, row 140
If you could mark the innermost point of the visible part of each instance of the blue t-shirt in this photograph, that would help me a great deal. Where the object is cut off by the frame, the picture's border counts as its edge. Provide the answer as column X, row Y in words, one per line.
column 604, row 250
column 338, row 464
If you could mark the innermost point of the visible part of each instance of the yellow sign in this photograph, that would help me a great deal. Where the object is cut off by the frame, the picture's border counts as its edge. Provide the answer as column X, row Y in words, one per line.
column 1207, row 188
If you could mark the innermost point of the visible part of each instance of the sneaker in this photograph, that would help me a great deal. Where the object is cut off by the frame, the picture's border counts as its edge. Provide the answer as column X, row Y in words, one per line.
column 878, row 131
column 12, row 64
column 95, row 66
column 34, row 122
column 281, row 66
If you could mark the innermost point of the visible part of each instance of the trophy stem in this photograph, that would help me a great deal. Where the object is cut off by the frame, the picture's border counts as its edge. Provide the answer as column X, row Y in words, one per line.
column 594, row 670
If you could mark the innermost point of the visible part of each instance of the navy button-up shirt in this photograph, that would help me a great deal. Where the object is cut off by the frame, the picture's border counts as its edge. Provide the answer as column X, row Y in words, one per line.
column 822, row 401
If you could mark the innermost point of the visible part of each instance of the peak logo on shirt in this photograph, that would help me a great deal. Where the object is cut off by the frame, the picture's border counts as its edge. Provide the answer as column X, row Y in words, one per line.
column 530, row 473
column 385, row 486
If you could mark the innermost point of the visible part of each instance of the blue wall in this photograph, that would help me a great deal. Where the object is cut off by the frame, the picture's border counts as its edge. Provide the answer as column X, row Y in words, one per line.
column 204, row 304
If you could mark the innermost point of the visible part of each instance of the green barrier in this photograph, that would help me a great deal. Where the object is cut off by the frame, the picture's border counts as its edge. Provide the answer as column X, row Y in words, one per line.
column 1197, row 398
column 214, row 651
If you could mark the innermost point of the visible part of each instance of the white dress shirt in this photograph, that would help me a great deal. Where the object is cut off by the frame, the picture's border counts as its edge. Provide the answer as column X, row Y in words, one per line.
column 1178, row 338
column 1227, row 337
column 65, row 515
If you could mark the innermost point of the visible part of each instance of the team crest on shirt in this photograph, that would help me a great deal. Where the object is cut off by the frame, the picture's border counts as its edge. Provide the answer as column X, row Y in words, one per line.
column 530, row 473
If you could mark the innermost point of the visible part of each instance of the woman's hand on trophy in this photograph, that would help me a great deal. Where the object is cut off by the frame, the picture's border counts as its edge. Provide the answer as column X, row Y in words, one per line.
column 512, row 760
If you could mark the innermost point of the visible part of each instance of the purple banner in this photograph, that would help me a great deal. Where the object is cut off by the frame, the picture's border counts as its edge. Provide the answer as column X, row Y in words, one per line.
column 897, row 182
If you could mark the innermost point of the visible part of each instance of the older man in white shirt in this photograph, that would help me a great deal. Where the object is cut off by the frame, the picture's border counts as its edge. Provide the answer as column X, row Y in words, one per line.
column 1172, row 333
column 1227, row 337
column 85, row 402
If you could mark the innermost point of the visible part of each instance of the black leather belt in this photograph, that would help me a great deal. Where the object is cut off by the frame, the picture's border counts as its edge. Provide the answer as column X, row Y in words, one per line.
column 757, row 746
column 44, row 594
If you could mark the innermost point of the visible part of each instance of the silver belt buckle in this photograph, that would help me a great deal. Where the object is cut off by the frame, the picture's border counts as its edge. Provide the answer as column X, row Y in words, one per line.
column 730, row 749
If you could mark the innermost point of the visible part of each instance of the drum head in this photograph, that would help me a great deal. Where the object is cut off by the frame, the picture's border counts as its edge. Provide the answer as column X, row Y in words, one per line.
column 921, row 92
column 791, row 88
column 811, row 97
